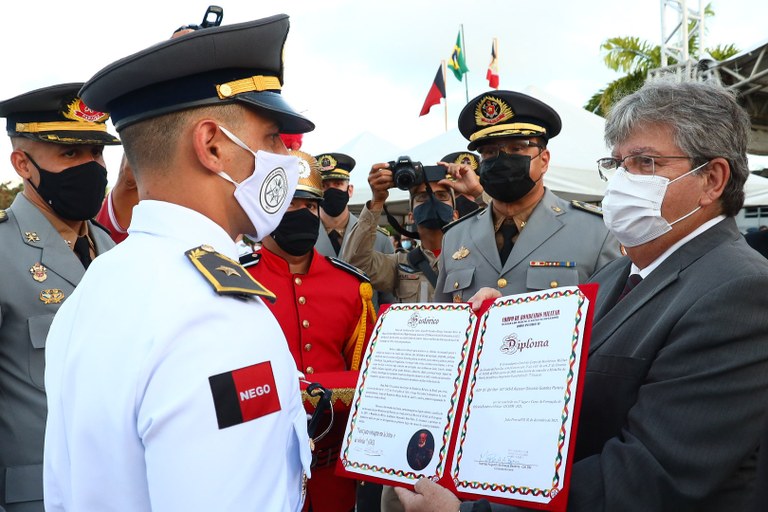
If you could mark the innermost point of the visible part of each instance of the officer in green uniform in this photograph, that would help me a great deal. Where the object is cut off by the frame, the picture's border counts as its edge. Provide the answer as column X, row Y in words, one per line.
column 527, row 238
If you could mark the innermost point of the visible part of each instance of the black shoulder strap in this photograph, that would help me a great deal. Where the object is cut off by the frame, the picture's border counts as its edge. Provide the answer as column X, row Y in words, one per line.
column 417, row 260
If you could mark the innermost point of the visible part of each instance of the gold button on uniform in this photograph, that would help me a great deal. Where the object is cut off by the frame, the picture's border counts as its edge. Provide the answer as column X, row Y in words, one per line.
column 302, row 300
column 305, row 323
column 308, row 347
column 310, row 370
column 297, row 280
column 501, row 282
column 553, row 284
column 455, row 285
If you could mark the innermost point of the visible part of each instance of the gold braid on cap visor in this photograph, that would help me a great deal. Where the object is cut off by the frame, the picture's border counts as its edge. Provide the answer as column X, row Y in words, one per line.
column 509, row 129
column 61, row 126
column 256, row 83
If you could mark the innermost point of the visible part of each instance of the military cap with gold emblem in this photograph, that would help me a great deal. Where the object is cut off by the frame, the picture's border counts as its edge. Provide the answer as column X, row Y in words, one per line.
column 335, row 166
column 56, row 114
column 310, row 184
column 499, row 114
column 240, row 63
column 463, row 157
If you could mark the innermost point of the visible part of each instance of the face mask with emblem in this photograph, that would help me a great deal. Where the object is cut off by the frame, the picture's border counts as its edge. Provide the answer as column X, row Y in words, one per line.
column 76, row 193
column 297, row 232
column 265, row 194
column 506, row 177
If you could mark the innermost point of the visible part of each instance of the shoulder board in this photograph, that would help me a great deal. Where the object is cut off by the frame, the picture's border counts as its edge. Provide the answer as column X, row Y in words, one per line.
column 587, row 207
column 382, row 230
column 462, row 219
column 102, row 226
column 343, row 265
column 3, row 216
column 226, row 276
column 249, row 260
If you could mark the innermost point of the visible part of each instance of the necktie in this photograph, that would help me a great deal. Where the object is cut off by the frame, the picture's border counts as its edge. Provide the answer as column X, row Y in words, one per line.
column 335, row 237
column 83, row 250
column 508, row 230
column 632, row 281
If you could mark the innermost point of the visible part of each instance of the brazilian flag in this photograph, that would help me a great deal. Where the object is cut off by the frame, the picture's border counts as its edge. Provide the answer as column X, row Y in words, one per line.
column 456, row 62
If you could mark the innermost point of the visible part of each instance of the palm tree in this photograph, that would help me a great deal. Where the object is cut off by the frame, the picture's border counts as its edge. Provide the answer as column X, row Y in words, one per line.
column 636, row 58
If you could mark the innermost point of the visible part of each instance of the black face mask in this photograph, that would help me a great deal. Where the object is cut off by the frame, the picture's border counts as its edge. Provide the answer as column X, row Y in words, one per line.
column 334, row 201
column 76, row 193
column 465, row 206
column 297, row 232
column 506, row 177
column 433, row 214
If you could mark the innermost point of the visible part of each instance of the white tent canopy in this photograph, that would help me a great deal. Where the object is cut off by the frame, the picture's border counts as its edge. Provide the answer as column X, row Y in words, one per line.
column 572, row 170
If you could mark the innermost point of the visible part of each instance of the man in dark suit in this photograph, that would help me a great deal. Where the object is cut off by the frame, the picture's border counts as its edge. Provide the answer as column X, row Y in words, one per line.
column 677, row 376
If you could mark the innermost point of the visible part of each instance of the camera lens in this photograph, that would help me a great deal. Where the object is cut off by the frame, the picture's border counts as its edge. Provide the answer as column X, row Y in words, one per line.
column 404, row 177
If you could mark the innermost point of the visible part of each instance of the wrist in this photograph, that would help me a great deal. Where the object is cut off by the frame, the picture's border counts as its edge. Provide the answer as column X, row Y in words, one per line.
column 376, row 205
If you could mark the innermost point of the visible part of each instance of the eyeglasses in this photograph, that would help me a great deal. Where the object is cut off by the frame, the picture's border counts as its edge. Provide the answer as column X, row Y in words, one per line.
column 441, row 195
column 641, row 165
column 509, row 146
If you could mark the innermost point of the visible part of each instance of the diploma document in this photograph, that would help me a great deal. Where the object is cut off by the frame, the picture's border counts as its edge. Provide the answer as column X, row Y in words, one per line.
column 485, row 404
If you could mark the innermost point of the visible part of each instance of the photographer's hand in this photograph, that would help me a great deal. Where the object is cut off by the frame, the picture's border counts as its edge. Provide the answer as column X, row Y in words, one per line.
column 380, row 180
column 465, row 179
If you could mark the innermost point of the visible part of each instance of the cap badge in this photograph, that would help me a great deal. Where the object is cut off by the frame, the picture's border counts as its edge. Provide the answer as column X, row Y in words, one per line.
column 39, row 272
column 51, row 296
column 304, row 169
column 467, row 159
column 79, row 111
column 462, row 253
column 491, row 111
column 327, row 163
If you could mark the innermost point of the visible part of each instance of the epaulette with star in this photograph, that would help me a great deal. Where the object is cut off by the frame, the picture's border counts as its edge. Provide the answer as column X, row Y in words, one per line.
column 226, row 275
column 462, row 219
column 3, row 216
column 587, row 207
column 351, row 269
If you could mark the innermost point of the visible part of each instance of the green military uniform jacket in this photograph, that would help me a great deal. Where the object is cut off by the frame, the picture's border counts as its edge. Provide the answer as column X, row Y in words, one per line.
column 39, row 272
column 561, row 245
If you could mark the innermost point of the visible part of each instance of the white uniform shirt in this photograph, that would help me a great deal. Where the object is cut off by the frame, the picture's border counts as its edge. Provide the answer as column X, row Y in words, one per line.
column 132, row 422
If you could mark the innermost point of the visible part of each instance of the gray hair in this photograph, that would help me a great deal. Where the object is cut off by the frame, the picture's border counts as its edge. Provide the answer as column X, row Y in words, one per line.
column 706, row 123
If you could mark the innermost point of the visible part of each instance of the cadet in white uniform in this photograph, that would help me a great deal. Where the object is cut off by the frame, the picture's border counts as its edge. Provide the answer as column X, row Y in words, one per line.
column 158, row 400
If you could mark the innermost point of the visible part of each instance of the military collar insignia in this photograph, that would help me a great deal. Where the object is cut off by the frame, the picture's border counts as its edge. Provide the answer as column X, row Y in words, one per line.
column 39, row 272
column 226, row 276
column 491, row 111
column 79, row 111
column 3, row 216
column 31, row 236
column 51, row 296
column 327, row 163
column 462, row 253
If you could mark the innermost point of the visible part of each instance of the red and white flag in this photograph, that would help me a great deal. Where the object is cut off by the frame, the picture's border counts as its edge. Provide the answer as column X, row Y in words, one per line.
column 492, row 75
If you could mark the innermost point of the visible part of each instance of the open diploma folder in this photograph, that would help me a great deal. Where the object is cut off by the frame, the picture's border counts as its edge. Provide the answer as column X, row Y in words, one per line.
column 485, row 405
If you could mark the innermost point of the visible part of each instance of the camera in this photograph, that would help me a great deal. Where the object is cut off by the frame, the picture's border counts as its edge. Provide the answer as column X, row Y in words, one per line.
column 406, row 173
column 211, row 18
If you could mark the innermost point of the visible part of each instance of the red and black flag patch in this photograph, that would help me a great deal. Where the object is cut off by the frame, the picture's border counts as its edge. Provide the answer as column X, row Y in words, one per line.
column 245, row 394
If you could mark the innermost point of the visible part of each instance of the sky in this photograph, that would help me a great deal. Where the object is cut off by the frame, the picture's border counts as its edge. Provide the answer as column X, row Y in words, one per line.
column 354, row 66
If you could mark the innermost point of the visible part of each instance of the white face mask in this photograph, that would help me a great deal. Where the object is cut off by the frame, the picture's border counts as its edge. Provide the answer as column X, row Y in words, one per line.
column 632, row 207
column 265, row 194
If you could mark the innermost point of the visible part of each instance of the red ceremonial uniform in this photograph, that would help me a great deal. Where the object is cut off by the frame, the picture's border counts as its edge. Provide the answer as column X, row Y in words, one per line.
column 327, row 320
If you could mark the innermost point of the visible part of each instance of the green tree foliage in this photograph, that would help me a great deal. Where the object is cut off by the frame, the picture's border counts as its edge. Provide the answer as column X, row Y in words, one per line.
column 636, row 58
column 8, row 193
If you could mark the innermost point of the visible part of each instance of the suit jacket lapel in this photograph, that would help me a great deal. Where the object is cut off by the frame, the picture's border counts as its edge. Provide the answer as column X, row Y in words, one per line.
column 484, row 239
column 610, row 317
column 55, row 254
column 547, row 224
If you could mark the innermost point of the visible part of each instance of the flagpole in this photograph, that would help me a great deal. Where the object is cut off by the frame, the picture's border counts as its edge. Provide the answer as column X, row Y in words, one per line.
column 464, row 49
column 445, row 77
